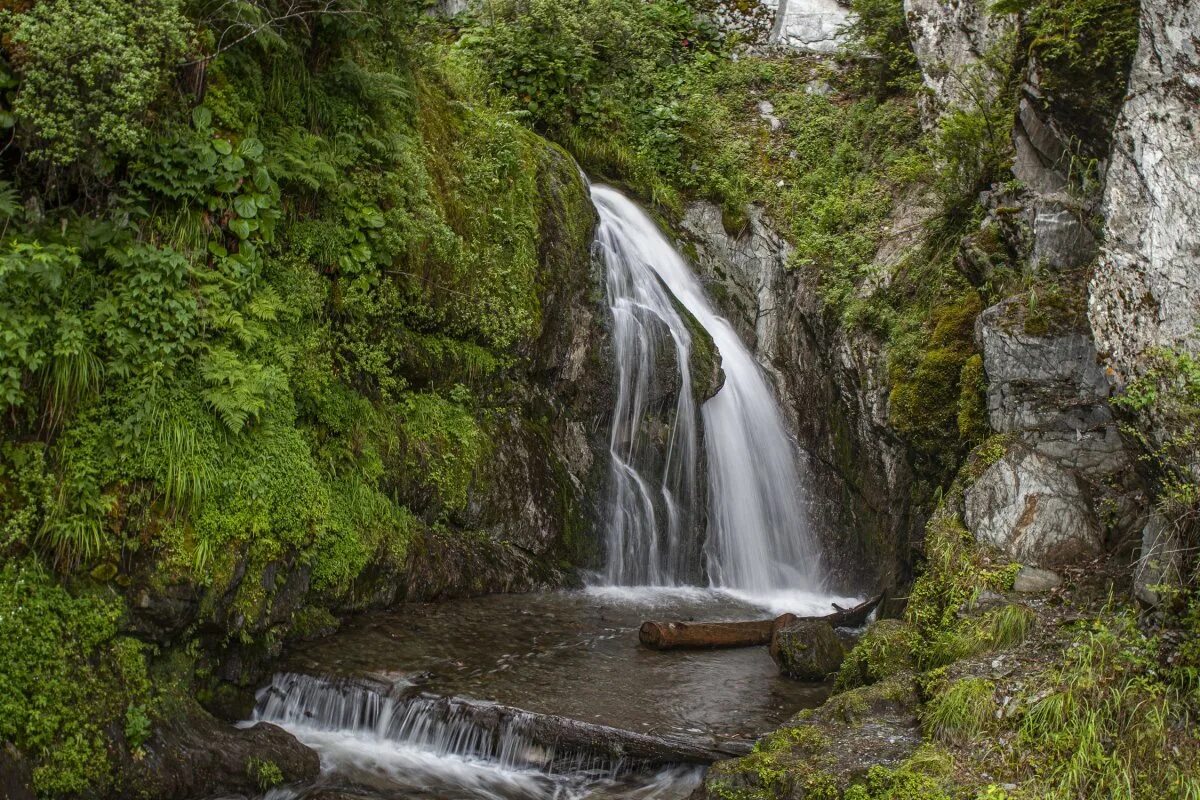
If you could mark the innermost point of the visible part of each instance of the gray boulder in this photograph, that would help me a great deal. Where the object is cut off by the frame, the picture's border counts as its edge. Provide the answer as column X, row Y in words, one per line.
column 1031, row 580
column 1032, row 509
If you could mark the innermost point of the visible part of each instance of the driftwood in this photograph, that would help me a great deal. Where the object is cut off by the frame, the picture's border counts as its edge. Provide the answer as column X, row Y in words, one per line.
column 754, row 633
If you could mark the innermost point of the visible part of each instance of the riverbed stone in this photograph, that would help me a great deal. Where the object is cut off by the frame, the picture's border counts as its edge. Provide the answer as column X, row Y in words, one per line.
column 807, row 650
column 1032, row 579
column 1030, row 508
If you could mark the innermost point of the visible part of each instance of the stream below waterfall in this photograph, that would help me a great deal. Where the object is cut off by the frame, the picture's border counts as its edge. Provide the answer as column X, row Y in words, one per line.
column 378, row 713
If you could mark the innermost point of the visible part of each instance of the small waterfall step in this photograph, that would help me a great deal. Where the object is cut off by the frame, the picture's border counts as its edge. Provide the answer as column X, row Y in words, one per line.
column 507, row 737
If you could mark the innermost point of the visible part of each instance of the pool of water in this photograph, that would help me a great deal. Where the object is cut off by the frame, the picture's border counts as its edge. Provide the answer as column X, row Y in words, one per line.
column 569, row 654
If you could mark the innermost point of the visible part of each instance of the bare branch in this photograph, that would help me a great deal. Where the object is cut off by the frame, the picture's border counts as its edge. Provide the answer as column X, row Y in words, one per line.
column 295, row 10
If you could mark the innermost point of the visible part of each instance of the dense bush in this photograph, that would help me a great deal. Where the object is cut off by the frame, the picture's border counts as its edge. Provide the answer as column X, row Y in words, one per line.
column 89, row 72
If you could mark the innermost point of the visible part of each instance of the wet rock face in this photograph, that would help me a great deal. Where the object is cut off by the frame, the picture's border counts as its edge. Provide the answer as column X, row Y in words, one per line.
column 807, row 650
column 833, row 389
column 16, row 778
column 1030, row 508
column 1146, row 290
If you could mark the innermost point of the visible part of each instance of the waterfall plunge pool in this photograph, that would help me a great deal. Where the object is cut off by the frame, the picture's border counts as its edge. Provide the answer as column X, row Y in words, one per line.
column 570, row 654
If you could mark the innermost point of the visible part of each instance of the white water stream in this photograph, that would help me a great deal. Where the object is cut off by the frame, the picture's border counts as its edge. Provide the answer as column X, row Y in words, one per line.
column 758, row 543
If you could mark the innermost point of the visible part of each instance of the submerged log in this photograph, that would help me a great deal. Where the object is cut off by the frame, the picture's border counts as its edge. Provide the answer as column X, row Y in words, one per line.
column 754, row 633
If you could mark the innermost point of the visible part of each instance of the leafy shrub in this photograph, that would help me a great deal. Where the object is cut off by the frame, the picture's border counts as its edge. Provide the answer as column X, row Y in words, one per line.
column 90, row 70
column 65, row 678
column 878, row 36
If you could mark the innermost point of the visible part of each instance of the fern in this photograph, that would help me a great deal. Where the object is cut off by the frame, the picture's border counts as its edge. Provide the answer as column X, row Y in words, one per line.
column 239, row 390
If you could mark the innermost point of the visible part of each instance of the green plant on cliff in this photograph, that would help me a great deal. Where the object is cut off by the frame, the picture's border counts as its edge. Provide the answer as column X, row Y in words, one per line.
column 89, row 71
column 1084, row 49
column 250, row 331
column 1165, row 401
column 66, row 676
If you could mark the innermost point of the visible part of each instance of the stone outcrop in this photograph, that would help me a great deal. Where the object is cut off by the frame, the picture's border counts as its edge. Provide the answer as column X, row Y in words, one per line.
column 809, row 25
column 1033, row 510
column 1146, row 290
column 826, row 748
column 192, row 755
column 1047, row 394
column 952, row 39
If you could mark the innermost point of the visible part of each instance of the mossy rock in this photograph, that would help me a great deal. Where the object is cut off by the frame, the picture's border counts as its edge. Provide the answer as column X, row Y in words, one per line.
column 808, row 650
column 822, row 752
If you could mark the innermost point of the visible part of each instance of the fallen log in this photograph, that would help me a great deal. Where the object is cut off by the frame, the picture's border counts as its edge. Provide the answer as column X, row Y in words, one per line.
column 752, row 633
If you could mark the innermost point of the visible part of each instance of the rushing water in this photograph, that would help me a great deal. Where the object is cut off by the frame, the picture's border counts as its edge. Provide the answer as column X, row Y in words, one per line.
column 758, row 542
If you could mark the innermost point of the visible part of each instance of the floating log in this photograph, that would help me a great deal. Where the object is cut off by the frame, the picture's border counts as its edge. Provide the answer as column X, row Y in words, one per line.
column 753, row 633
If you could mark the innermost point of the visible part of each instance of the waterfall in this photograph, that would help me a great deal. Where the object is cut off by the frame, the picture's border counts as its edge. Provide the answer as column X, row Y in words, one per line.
column 758, row 542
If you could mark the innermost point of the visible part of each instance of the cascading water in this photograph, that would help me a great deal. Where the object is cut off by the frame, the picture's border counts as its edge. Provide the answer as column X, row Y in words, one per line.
column 439, row 747
column 758, row 540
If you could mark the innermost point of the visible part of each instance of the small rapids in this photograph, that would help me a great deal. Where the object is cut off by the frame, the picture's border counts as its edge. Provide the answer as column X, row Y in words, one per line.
column 379, row 744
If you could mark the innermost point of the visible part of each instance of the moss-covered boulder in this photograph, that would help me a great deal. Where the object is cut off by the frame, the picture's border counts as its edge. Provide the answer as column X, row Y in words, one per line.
column 807, row 650
column 821, row 752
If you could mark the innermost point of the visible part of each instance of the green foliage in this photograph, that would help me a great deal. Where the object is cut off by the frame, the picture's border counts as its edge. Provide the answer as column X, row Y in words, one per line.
column 264, row 772
column 90, row 71
column 66, row 677
column 443, row 445
column 959, row 713
column 878, row 36
column 1104, row 723
column 955, row 570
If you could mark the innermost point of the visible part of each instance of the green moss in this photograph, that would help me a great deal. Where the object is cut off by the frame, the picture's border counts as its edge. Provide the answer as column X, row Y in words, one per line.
column 884, row 650
column 443, row 446
column 783, row 768
column 973, row 425
column 923, row 776
column 67, row 679
column 926, row 372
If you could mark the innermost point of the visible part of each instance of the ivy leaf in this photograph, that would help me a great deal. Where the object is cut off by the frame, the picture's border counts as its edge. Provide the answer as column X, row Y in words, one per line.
column 240, row 228
column 245, row 207
column 201, row 118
